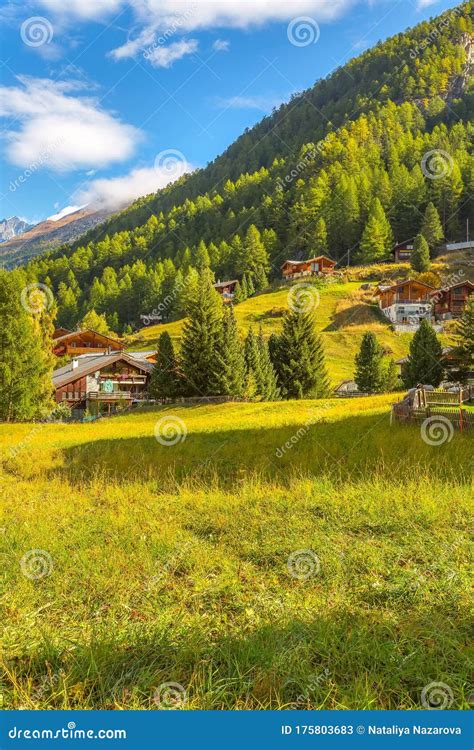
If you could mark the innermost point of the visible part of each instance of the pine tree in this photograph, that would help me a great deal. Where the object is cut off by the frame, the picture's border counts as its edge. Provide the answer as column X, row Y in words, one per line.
column 424, row 366
column 250, row 286
column 25, row 353
column 432, row 229
column 232, row 358
column 420, row 257
column 238, row 293
column 299, row 358
column 165, row 379
column 319, row 240
column 465, row 336
column 368, row 374
column 245, row 288
column 377, row 238
column 202, row 340
column 390, row 378
column 269, row 385
column 254, row 260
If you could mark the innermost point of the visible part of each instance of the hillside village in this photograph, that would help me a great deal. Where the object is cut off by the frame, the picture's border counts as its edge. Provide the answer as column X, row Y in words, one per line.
column 100, row 374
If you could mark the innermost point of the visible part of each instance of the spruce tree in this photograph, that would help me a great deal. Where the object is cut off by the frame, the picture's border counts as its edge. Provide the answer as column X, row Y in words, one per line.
column 239, row 295
column 25, row 353
column 424, row 366
column 431, row 228
column 420, row 257
column 299, row 358
column 201, row 342
column 269, row 383
column 165, row 379
column 377, row 238
column 390, row 378
column 368, row 373
column 232, row 358
column 245, row 288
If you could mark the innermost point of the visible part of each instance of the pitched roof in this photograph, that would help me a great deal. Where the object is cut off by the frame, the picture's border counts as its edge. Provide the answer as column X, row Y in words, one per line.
column 223, row 284
column 68, row 373
column 72, row 334
column 402, row 283
column 454, row 286
column 309, row 260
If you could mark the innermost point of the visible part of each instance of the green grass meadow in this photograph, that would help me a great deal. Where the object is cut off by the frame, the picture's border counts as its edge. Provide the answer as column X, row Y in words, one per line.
column 271, row 555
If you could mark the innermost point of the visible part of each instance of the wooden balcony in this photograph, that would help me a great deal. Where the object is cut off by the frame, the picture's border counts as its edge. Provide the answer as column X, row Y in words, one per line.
column 114, row 396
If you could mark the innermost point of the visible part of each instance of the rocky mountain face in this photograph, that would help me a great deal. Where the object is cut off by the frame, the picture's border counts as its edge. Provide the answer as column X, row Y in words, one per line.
column 12, row 227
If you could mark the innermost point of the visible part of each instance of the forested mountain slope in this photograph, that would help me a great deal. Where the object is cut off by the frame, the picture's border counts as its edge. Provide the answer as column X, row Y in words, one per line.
column 344, row 168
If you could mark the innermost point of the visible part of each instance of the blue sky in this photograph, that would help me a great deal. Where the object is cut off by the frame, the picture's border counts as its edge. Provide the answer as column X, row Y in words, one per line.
column 104, row 100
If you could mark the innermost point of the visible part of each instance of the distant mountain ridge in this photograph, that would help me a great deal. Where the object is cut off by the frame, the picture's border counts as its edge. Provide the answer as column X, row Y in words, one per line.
column 19, row 247
column 13, row 227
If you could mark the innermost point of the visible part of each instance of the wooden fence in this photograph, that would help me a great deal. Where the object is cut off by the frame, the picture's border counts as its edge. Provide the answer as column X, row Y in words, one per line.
column 461, row 419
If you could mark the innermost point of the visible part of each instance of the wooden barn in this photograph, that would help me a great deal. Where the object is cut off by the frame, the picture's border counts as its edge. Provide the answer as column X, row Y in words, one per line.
column 451, row 301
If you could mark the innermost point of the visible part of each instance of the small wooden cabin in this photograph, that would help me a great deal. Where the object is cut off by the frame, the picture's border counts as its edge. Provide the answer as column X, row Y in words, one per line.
column 403, row 251
column 226, row 289
column 404, row 292
column 294, row 269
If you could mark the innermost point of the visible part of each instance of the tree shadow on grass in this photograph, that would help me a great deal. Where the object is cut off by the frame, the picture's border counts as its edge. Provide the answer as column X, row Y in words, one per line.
column 355, row 448
column 368, row 658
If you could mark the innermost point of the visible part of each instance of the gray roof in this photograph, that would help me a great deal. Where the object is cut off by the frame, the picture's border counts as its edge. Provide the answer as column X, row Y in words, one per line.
column 87, row 365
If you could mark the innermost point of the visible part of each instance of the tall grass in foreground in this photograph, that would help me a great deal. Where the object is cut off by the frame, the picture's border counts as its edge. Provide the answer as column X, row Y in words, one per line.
column 170, row 563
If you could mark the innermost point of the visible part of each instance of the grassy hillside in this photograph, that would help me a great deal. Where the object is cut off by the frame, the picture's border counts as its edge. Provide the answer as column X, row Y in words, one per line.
column 343, row 314
column 176, row 563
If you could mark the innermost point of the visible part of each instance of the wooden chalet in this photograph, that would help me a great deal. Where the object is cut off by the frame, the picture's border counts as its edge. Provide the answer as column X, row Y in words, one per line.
column 406, row 302
column 226, row 289
column 75, row 343
column 100, row 383
column 451, row 301
column 295, row 269
column 402, row 252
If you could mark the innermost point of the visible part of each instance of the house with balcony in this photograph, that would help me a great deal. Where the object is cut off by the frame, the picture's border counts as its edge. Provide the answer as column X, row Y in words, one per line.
column 101, row 383
column 407, row 302
column 296, row 269
column 402, row 252
column 450, row 302
column 75, row 343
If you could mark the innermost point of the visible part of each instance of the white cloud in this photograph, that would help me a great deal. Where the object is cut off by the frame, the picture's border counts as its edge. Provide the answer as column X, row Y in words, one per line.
column 158, row 21
column 221, row 45
column 83, row 9
column 64, row 212
column 118, row 191
column 164, row 57
column 425, row 3
column 60, row 130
